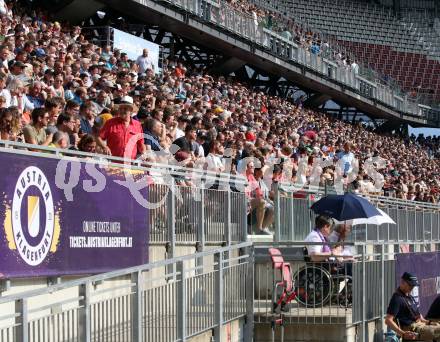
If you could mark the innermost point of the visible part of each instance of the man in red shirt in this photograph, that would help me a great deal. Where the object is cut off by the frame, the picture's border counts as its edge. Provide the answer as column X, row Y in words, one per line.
column 124, row 136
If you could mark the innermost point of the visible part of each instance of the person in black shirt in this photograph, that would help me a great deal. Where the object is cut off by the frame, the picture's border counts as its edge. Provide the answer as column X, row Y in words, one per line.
column 403, row 315
column 434, row 310
column 187, row 142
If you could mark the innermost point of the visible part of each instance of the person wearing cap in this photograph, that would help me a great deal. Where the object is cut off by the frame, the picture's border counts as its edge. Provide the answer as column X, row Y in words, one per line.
column 403, row 315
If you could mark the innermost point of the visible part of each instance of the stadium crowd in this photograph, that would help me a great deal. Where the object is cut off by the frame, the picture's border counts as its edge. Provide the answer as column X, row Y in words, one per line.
column 288, row 29
column 57, row 89
column 292, row 30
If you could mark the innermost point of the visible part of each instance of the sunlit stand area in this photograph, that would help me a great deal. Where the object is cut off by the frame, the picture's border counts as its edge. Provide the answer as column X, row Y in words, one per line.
column 203, row 279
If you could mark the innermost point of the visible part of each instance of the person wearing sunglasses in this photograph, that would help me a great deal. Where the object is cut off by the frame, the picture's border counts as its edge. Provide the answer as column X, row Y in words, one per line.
column 35, row 132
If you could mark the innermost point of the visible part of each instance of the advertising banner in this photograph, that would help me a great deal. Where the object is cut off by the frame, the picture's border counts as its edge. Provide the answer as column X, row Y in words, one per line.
column 133, row 46
column 62, row 217
column 426, row 266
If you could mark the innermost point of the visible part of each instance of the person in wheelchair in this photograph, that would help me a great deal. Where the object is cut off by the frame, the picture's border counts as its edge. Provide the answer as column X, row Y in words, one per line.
column 322, row 252
column 403, row 315
column 334, row 256
column 325, row 278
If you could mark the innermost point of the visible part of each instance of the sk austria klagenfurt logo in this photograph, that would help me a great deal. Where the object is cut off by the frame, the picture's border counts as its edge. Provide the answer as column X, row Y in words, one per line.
column 31, row 225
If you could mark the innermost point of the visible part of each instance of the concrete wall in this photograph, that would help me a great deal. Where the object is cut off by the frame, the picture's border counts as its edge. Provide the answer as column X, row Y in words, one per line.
column 316, row 333
column 319, row 332
column 232, row 332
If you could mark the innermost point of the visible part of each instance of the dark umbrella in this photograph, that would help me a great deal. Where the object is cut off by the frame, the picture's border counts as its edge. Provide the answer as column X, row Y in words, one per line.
column 345, row 207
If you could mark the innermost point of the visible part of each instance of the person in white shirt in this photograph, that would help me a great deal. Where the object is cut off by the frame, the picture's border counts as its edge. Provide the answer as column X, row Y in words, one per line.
column 344, row 254
column 182, row 121
column 4, row 57
column 367, row 186
column 144, row 62
column 5, row 92
column 214, row 160
column 320, row 234
column 3, row 8
column 347, row 158
column 355, row 67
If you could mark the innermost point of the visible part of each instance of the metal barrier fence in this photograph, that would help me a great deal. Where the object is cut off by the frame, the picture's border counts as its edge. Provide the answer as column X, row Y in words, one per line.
column 246, row 26
column 415, row 221
column 190, row 219
column 350, row 294
column 322, row 297
column 143, row 303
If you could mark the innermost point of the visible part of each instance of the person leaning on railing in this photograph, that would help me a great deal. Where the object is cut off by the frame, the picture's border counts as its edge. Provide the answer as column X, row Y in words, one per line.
column 403, row 315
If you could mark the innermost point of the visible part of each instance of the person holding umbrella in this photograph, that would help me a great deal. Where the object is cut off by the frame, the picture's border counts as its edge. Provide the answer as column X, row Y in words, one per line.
column 339, row 235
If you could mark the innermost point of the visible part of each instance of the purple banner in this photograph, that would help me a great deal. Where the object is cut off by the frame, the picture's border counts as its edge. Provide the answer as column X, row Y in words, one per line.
column 426, row 266
column 67, row 217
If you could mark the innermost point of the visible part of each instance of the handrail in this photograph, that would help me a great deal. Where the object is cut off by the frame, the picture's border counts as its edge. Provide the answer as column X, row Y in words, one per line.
column 372, row 197
column 56, row 153
column 120, row 273
column 370, row 74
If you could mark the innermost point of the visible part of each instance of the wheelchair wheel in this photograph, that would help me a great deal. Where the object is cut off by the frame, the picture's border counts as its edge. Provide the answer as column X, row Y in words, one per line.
column 313, row 286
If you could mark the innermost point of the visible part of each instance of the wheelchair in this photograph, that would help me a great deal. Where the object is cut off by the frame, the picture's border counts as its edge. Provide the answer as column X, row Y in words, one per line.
column 318, row 285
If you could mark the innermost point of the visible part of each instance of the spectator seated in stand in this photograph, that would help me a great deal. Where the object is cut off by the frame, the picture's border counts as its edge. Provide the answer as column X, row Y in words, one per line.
column 64, row 72
column 261, row 206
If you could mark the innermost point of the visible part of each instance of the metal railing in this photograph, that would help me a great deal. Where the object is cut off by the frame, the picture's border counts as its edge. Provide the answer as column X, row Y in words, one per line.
column 143, row 303
column 251, row 28
column 331, row 292
column 320, row 299
column 415, row 221
column 183, row 214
